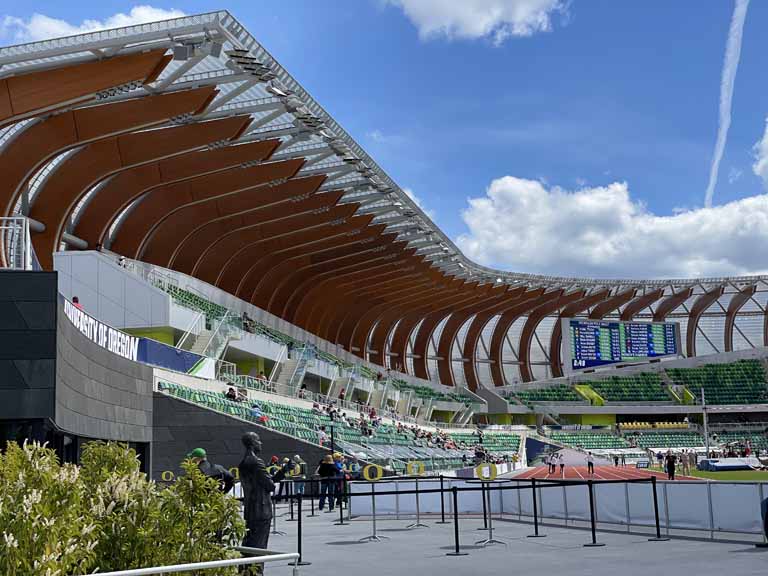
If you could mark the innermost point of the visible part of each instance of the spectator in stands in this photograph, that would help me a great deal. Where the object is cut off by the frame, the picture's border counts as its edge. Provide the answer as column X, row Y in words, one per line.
column 233, row 395
column 322, row 437
column 76, row 303
column 327, row 473
column 316, row 409
column 342, row 394
column 256, row 410
column 590, row 464
column 225, row 478
column 121, row 262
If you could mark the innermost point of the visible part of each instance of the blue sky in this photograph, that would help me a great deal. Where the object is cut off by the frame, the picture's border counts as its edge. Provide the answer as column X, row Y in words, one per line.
column 605, row 103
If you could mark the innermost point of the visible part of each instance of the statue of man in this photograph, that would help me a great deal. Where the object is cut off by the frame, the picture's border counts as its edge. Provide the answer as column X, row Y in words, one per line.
column 257, row 487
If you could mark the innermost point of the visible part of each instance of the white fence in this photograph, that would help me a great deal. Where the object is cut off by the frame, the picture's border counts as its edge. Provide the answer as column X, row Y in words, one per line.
column 724, row 510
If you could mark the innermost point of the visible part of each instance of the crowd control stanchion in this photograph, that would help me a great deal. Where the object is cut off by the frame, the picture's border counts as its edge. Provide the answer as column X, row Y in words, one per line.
column 490, row 539
column 289, row 490
column 658, row 537
column 456, row 549
column 312, row 485
column 418, row 523
column 299, row 533
column 535, row 512
column 442, row 503
column 274, row 520
column 485, row 509
column 594, row 542
column 373, row 537
column 341, row 503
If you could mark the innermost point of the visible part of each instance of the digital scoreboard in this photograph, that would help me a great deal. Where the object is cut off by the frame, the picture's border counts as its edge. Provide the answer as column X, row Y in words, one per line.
column 595, row 343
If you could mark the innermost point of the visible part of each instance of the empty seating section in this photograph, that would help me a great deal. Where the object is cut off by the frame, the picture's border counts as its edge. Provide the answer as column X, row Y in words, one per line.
column 741, row 382
column 669, row 440
column 492, row 441
column 558, row 393
column 429, row 393
column 303, row 423
column 644, row 387
column 589, row 440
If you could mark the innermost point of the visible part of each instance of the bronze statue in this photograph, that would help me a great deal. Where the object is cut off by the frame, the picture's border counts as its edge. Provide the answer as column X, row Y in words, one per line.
column 257, row 487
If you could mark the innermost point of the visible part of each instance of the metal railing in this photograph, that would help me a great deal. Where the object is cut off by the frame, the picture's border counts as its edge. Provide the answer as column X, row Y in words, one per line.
column 195, row 327
column 16, row 250
column 261, row 557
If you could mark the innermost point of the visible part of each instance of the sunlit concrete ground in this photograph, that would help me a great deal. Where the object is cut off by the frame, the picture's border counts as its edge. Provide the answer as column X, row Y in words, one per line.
column 334, row 550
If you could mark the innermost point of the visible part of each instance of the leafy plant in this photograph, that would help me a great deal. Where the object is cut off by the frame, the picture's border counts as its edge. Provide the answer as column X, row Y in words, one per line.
column 106, row 515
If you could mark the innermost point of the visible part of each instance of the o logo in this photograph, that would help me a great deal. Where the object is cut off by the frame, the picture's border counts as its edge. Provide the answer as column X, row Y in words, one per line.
column 235, row 471
column 166, row 476
column 272, row 469
column 415, row 468
column 486, row 471
column 373, row 467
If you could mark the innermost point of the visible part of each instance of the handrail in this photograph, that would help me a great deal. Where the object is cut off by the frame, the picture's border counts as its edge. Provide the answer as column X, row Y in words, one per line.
column 216, row 332
column 190, row 329
column 209, row 565
column 279, row 360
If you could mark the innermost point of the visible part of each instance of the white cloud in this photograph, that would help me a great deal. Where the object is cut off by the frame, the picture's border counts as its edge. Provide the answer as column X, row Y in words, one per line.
column 494, row 19
column 419, row 203
column 760, row 167
column 734, row 175
column 524, row 226
column 41, row 27
column 730, row 65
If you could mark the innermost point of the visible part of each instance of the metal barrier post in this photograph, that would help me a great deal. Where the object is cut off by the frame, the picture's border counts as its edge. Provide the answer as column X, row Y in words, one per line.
column 373, row 537
column 341, row 503
column 658, row 537
column 535, row 513
column 485, row 509
column 490, row 539
column 456, row 550
column 418, row 523
column 299, row 534
column 274, row 520
column 311, row 498
column 592, row 516
column 289, row 491
column 442, row 502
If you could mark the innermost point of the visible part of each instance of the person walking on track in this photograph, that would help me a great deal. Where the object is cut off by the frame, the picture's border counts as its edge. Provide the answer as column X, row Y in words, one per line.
column 590, row 464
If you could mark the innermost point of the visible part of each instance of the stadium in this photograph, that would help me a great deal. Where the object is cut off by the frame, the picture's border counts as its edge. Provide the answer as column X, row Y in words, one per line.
column 194, row 249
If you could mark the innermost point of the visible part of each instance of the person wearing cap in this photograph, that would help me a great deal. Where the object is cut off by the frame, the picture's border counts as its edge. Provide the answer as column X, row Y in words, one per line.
column 280, row 476
column 224, row 476
column 299, row 474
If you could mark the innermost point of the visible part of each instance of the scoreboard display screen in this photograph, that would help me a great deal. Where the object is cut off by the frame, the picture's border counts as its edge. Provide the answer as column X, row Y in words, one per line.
column 596, row 343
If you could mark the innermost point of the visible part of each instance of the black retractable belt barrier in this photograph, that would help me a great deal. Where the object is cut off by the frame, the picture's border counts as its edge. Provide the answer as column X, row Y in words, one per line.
column 535, row 512
column 418, row 523
column 289, row 491
column 490, row 539
column 299, row 534
column 658, row 537
column 456, row 549
column 341, row 503
column 274, row 520
column 594, row 542
column 485, row 509
column 442, row 502
column 373, row 537
column 311, row 496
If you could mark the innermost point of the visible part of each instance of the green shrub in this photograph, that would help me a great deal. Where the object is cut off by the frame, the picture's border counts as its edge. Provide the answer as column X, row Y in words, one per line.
column 106, row 515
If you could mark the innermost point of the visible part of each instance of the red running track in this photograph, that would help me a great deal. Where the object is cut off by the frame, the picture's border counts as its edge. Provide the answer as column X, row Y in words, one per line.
column 601, row 473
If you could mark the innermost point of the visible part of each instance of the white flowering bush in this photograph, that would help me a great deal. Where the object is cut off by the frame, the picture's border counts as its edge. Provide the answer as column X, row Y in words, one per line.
column 105, row 515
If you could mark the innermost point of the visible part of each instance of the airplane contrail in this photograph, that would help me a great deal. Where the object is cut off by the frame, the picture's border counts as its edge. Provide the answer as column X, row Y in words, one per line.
column 730, row 65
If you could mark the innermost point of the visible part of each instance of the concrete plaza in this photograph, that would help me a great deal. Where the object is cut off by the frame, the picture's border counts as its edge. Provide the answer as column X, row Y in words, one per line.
column 334, row 550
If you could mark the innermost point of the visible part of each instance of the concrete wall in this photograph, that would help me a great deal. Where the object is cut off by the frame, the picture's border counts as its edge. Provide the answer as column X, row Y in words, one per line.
column 180, row 426
column 111, row 293
column 27, row 344
column 100, row 394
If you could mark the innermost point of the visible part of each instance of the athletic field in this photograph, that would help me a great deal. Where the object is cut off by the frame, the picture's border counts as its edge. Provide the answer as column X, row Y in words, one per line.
column 601, row 473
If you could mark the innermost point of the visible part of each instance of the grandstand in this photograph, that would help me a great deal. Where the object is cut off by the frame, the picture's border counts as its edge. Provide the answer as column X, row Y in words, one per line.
column 214, row 221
